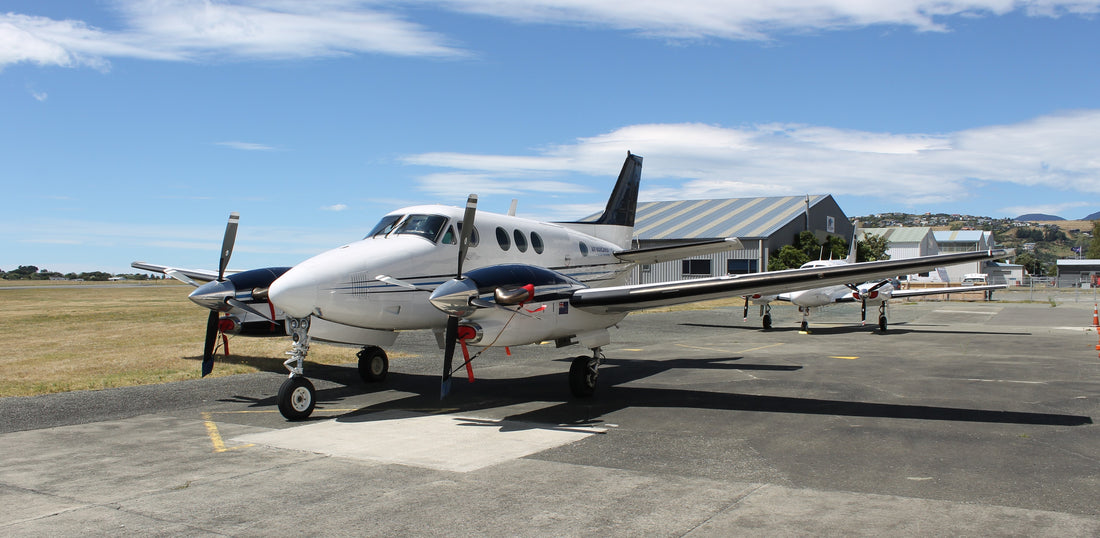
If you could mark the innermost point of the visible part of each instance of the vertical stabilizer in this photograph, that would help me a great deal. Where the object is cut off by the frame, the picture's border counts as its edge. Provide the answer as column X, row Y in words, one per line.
column 852, row 246
column 616, row 223
column 623, row 202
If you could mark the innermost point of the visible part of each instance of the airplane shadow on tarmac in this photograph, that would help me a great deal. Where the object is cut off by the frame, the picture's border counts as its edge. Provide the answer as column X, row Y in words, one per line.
column 850, row 329
column 613, row 395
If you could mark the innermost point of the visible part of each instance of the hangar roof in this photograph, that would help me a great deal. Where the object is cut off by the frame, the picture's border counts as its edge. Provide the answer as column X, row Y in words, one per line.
column 960, row 236
column 898, row 234
column 727, row 217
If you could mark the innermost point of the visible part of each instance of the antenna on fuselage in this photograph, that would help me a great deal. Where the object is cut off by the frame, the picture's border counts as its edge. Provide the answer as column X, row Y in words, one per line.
column 512, row 208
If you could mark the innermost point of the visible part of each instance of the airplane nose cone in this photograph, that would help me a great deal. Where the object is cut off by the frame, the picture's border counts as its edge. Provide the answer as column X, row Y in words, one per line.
column 294, row 293
column 213, row 295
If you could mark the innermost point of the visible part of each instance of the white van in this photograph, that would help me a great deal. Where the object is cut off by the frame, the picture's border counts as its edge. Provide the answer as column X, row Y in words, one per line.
column 975, row 279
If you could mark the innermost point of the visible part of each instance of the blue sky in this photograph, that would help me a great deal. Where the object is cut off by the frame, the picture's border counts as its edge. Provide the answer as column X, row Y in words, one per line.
column 131, row 128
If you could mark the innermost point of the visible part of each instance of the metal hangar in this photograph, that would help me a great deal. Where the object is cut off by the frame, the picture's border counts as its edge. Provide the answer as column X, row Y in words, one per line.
column 762, row 224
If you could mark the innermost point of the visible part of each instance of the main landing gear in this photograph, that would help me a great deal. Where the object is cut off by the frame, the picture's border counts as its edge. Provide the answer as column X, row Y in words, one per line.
column 766, row 316
column 373, row 364
column 584, row 372
column 882, row 316
column 297, row 397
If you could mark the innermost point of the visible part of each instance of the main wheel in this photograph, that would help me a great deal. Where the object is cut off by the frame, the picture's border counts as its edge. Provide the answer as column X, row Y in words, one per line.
column 582, row 379
column 373, row 364
column 767, row 321
column 882, row 323
column 296, row 398
column 805, row 327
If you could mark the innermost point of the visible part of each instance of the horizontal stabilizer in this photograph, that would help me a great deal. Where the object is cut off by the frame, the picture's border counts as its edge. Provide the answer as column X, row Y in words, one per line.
column 678, row 252
column 200, row 275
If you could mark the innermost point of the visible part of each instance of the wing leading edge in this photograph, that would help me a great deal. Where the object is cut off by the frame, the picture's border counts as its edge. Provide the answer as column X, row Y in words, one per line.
column 642, row 296
column 676, row 252
column 199, row 275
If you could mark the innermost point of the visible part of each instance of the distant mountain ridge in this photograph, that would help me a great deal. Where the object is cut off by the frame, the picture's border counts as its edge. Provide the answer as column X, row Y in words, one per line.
column 1040, row 217
column 1043, row 217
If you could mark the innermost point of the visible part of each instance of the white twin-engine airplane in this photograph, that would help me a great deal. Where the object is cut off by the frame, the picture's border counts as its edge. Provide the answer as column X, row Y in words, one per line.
column 875, row 293
column 505, row 281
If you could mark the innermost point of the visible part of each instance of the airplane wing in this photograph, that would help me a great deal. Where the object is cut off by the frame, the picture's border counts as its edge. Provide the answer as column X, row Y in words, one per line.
column 642, row 296
column 188, row 276
column 676, row 252
column 937, row 291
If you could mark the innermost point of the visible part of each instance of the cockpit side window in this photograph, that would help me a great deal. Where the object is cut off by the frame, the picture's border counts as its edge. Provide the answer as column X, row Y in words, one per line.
column 426, row 226
column 474, row 238
column 385, row 225
column 449, row 236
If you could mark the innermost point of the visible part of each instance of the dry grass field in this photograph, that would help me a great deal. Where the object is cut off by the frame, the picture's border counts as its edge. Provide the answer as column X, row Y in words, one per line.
column 95, row 336
column 100, row 336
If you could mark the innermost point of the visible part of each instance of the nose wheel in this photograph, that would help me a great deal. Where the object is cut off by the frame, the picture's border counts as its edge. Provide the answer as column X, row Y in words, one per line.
column 297, row 398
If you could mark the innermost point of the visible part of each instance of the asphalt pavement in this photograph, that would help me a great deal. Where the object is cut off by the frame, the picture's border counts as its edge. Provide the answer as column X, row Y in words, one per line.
column 963, row 419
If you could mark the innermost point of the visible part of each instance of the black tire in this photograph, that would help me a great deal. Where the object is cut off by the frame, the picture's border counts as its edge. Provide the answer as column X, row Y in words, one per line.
column 373, row 364
column 882, row 323
column 767, row 321
column 297, row 398
column 805, row 327
column 582, row 380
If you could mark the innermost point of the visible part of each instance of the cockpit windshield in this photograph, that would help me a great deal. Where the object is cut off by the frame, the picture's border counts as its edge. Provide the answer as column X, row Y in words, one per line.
column 385, row 225
column 426, row 226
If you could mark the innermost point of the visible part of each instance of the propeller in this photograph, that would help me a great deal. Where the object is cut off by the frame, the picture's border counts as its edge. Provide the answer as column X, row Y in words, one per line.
column 212, row 320
column 863, row 295
column 451, row 335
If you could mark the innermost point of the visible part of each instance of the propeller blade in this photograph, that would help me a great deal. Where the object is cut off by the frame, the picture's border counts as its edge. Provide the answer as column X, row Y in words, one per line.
column 448, row 356
column 227, row 243
column 863, row 311
column 181, row 277
column 879, row 285
column 746, row 316
column 248, row 308
column 208, row 349
column 467, row 229
column 853, row 287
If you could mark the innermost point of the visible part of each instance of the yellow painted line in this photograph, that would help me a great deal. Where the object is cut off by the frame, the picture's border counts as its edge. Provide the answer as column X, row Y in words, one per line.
column 762, row 347
column 633, row 349
column 215, row 436
column 845, row 358
column 728, row 351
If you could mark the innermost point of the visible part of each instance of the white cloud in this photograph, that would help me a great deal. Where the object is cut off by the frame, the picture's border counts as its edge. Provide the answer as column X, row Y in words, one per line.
column 245, row 146
column 1047, row 209
column 755, row 20
column 335, row 207
column 181, row 30
column 694, row 161
column 193, row 30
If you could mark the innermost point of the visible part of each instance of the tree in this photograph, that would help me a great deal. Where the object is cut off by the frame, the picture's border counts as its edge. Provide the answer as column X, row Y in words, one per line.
column 23, row 272
column 1031, row 264
column 836, row 248
column 788, row 257
column 872, row 248
column 807, row 243
column 1093, row 253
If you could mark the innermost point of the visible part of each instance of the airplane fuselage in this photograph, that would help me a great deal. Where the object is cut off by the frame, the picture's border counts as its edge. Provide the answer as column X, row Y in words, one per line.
column 419, row 245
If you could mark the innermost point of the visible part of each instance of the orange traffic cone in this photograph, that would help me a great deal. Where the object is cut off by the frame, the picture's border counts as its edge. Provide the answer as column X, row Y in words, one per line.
column 1095, row 316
